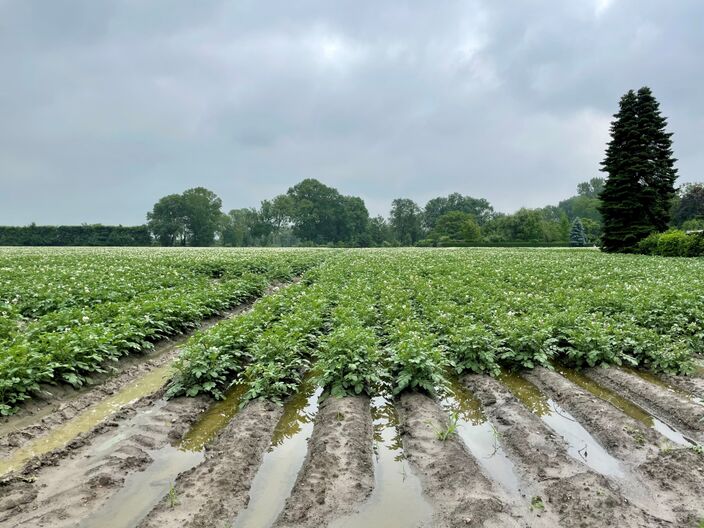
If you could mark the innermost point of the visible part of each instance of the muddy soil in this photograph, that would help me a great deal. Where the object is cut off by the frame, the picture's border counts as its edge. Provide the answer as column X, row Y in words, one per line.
column 65, row 486
column 669, row 406
column 212, row 493
column 461, row 494
column 567, row 493
column 669, row 476
column 338, row 474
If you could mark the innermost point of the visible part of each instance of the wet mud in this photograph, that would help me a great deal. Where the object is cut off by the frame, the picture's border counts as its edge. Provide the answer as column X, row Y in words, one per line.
column 462, row 495
column 670, row 407
column 568, row 493
column 338, row 473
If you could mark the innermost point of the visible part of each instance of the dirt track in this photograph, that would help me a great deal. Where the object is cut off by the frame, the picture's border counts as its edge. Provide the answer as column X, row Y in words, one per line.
column 134, row 469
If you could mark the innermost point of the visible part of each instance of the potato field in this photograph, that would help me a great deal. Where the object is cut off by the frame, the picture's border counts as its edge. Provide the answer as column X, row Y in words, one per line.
column 350, row 388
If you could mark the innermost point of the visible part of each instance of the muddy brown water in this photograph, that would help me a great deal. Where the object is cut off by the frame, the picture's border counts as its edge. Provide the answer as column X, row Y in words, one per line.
column 284, row 459
column 480, row 436
column 581, row 445
column 397, row 500
column 624, row 405
column 88, row 419
column 143, row 490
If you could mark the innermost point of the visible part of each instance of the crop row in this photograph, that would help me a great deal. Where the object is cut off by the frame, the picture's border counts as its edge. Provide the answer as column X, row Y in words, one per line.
column 69, row 344
column 397, row 320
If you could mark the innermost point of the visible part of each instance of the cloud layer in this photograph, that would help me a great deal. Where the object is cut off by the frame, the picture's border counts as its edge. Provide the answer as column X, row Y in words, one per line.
column 107, row 106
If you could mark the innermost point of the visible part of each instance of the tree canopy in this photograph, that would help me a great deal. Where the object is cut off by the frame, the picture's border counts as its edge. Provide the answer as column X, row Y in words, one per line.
column 638, row 193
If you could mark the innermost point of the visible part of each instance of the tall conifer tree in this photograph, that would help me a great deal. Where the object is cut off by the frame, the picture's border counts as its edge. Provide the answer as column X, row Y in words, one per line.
column 641, row 175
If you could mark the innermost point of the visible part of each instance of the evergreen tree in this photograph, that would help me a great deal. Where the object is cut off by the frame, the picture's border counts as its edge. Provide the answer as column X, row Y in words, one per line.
column 639, row 189
column 578, row 237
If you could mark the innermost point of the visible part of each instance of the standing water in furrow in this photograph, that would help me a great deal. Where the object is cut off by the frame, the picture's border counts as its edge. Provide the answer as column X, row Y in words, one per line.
column 656, row 380
column 624, row 405
column 480, row 436
column 143, row 490
column 282, row 462
column 87, row 419
column 397, row 500
column 581, row 445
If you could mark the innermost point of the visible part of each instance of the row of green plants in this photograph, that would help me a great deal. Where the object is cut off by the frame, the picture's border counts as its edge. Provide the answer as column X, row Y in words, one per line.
column 70, row 344
column 395, row 320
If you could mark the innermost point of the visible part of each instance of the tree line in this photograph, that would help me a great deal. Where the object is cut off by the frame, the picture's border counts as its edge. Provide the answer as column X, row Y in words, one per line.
column 312, row 213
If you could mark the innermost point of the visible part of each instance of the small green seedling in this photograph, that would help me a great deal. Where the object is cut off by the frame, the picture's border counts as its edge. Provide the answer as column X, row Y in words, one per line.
column 173, row 498
column 537, row 503
column 452, row 424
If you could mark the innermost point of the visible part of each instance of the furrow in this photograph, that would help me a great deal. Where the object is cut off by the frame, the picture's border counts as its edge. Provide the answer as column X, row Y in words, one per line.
column 462, row 496
column 69, row 486
column 666, row 404
column 569, row 494
column 338, row 474
column 660, row 478
column 211, row 494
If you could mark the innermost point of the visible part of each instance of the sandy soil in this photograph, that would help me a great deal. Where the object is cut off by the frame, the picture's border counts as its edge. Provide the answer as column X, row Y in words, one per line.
column 211, row 494
column 571, row 494
column 461, row 494
column 666, row 404
column 65, row 486
column 671, row 478
column 338, row 474
column 663, row 485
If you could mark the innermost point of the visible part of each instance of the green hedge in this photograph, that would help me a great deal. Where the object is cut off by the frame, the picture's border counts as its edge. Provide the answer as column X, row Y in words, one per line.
column 83, row 235
column 673, row 243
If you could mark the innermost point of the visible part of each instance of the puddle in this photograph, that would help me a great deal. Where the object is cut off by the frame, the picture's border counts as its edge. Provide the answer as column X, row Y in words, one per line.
column 626, row 406
column 143, row 490
column 213, row 420
column 397, row 500
column 581, row 445
column 87, row 419
column 277, row 474
column 480, row 436
column 656, row 380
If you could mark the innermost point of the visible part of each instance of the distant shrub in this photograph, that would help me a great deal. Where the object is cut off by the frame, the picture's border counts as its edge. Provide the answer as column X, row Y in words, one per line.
column 673, row 243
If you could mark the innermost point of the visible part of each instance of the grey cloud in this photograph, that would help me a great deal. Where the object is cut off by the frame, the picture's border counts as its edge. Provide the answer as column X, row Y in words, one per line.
column 106, row 106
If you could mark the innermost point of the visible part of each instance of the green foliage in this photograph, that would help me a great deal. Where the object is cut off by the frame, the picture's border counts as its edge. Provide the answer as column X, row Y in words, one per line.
column 68, row 313
column 188, row 219
column 673, row 243
column 406, row 221
column 83, row 235
column 578, row 238
column 639, row 191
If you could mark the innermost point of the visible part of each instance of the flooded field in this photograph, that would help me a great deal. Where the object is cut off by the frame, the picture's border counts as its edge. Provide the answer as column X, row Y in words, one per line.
column 135, row 459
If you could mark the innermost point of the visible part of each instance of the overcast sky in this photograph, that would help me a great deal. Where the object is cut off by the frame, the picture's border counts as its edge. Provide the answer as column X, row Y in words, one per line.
column 105, row 106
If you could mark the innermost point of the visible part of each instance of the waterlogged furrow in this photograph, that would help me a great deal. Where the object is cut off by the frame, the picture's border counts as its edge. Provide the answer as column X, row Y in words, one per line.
column 458, row 487
column 568, row 493
column 282, row 461
column 109, row 461
column 624, row 405
column 87, row 419
column 481, row 437
column 680, row 412
column 396, row 488
column 211, row 494
column 581, row 445
column 338, row 474
column 664, row 480
column 143, row 490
